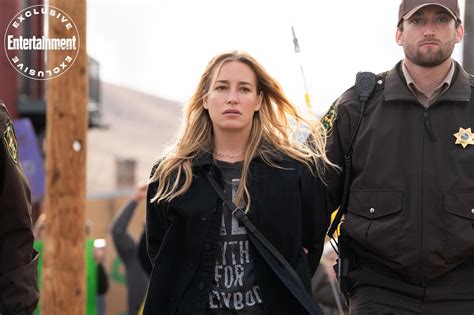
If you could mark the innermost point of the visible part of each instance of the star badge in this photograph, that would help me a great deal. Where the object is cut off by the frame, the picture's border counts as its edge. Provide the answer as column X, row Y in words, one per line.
column 464, row 137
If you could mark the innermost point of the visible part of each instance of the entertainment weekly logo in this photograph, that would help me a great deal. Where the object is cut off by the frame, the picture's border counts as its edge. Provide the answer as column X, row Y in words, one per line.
column 28, row 52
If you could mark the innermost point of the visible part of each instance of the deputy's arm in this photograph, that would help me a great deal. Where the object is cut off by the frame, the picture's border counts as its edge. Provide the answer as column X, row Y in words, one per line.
column 18, row 260
column 338, row 125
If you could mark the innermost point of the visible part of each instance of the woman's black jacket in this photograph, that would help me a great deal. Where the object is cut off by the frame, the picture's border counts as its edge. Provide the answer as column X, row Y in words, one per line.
column 287, row 205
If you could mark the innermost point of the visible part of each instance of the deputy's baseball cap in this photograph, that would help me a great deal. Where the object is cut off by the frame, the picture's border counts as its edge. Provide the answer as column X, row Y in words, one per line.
column 409, row 7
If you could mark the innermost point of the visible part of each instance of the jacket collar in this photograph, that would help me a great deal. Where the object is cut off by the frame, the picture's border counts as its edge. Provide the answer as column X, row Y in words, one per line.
column 205, row 159
column 202, row 159
column 396, row 88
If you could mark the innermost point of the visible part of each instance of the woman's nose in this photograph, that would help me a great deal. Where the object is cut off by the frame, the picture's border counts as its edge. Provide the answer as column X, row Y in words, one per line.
column 232, row 97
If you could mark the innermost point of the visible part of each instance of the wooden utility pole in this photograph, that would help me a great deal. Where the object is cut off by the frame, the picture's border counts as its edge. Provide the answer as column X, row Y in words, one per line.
column 468, row 54
column 63, row 274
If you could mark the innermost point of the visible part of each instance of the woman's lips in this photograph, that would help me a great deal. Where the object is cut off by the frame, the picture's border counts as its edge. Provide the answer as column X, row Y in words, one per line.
column 231, row 112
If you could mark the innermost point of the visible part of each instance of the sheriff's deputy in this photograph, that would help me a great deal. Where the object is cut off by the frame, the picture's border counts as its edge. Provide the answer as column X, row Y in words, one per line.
column 410, row 211
column 18, row 260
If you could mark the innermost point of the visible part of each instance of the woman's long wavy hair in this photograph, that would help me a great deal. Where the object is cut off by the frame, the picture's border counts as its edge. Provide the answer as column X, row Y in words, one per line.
column 274, row 132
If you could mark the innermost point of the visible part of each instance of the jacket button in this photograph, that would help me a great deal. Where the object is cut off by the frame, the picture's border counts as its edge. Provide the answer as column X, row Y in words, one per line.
column 203, row 218
column 472, row 211
column 191, row 265
column 201, row 285
column 372, row 210
column 207, row 246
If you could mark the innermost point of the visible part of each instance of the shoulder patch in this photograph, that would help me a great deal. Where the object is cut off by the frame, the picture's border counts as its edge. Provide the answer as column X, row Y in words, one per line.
column 328, row 120
column 10, row 143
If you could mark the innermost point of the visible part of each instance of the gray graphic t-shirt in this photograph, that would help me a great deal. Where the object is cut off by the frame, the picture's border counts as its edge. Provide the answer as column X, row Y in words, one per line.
column 234, row 289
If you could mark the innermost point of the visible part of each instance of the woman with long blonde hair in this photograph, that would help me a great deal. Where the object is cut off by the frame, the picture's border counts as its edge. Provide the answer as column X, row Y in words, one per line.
column 239, row 131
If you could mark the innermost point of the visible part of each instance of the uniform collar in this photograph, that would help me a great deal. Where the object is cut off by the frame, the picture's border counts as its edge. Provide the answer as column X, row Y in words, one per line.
column 428, row 99
column 396, row 88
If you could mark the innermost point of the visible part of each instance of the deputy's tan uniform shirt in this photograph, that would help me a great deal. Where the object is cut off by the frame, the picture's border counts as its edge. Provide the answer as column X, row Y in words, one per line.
column 427, row 100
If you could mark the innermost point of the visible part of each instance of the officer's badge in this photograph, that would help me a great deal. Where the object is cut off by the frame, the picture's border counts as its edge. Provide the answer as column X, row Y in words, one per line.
column 464, row 137
column 10, row 142
column 328, row 120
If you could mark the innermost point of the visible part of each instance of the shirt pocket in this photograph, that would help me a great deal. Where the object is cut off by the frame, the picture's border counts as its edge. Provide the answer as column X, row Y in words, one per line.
column 373, row 220
column 459, row 225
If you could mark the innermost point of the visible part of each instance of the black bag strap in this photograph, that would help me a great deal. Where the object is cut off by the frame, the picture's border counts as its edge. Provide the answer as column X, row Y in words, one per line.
column 263, row 245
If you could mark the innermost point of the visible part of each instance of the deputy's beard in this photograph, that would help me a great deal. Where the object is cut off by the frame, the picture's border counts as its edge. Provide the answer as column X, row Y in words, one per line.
column 429, row 58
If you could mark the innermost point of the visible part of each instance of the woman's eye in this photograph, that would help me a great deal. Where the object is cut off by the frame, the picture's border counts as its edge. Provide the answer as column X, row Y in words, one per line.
column 220, row 88
column 245, row 89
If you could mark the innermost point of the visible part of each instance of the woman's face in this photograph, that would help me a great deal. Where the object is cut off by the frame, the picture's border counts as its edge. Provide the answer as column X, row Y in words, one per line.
column 233, row 98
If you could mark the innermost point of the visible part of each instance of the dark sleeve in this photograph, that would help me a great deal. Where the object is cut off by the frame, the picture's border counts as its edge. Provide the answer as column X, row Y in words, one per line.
column 123, row 242
column 102, row 280
column 18, row 260
column 156, row 223
column 143, row 255
column 336, row 147
column 315, row 219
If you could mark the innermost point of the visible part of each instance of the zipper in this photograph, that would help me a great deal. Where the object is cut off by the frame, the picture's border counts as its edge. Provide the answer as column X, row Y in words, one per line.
column 429, row 128
column 432, row 137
